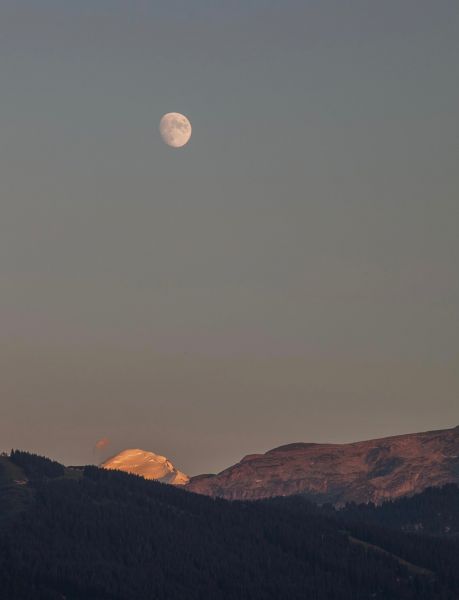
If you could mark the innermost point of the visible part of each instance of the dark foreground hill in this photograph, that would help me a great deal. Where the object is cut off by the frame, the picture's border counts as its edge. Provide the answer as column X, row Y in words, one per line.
column 105, row 535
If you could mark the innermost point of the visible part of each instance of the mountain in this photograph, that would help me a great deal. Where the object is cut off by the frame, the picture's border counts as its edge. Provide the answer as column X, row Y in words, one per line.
column 97, row 534
column 147, row 464
column 369, row 471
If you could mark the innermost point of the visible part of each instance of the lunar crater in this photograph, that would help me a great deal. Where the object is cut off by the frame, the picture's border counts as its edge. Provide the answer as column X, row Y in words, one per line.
column 175, row 129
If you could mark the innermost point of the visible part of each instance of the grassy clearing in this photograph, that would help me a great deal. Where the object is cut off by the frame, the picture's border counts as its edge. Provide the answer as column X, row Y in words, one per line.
column 15, row 494
column 9, row 472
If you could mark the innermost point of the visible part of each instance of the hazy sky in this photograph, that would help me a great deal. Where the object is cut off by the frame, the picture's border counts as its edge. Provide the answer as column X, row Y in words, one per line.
column 290, row 275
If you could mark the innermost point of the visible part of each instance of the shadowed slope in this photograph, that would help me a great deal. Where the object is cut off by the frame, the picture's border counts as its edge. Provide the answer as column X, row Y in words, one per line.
column 109, row 535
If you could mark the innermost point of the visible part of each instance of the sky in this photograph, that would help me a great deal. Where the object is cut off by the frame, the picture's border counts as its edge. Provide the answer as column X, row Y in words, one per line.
column 289, row 275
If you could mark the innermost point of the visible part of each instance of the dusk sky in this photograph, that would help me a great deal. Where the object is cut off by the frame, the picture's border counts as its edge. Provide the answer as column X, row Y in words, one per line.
column 291, row 274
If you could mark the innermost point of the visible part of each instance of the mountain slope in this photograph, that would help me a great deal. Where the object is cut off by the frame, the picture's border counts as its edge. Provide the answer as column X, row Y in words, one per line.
column 146, row 464
column 107, row 535
column 367, row 471
column 434, row 512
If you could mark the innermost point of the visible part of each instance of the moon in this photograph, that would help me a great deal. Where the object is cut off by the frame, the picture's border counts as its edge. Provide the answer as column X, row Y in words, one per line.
column 175, row 129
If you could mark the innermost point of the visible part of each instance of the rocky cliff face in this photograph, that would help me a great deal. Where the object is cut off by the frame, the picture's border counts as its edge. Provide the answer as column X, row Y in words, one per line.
column 146, row 464
column 374, row 470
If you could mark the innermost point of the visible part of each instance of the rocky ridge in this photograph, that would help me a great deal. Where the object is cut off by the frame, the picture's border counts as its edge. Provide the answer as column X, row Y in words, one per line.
column 368, row 471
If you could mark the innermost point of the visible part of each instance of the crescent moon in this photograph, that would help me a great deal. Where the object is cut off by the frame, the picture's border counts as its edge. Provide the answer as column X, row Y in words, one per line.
column 175, row 129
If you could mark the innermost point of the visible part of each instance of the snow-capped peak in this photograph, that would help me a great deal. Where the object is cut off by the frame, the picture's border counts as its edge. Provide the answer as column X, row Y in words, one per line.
column 146, row 464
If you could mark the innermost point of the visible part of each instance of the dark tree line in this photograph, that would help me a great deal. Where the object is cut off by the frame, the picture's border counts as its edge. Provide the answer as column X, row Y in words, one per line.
column 107, row 535
column 435, row 512
column 36, row 467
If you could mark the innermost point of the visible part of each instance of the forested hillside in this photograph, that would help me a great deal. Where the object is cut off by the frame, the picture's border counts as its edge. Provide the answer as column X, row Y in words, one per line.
column 435, row 512
column 96, row 534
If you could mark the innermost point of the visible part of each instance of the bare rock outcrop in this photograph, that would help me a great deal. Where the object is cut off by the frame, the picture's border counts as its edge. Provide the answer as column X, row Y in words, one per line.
column 370, row 471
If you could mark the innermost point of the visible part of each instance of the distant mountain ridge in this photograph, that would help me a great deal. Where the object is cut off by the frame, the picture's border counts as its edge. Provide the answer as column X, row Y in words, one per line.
column 368, row 471
column 146, row 464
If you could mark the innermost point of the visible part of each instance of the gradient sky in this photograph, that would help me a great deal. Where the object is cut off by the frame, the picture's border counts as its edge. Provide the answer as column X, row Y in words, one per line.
column 290, row 275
